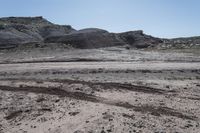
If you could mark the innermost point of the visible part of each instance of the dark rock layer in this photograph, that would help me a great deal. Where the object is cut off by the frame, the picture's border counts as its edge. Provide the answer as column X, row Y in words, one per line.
column 88, row 38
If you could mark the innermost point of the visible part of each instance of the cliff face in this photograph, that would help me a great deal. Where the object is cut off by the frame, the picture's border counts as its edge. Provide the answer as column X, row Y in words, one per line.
column 20, row 30
column 24, row 30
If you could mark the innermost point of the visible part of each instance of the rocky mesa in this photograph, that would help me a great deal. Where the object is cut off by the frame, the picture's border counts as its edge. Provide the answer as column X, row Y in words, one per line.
column 25, row 30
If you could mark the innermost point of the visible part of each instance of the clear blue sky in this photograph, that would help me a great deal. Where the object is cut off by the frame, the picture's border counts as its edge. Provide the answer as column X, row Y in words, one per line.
column 161, row 18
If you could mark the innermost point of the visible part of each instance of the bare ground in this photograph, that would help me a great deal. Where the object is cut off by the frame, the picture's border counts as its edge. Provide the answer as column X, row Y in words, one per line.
column 152, row 93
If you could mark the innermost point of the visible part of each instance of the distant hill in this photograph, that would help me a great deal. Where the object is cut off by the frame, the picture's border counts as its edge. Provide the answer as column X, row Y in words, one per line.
column 184, row 42
column 15, row 31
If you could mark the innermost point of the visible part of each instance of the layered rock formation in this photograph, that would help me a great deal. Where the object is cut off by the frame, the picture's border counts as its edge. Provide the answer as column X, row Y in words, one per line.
column 139, row 40
column 25, row 30
column 88, row 38
column 20, row 30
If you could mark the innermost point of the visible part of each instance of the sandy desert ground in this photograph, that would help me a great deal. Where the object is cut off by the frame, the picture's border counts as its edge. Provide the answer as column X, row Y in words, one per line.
column 107, row 90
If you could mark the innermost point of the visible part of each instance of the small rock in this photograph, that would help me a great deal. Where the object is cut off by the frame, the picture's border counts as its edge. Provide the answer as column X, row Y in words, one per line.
column 57, row 100
column 78, row 131
column 73, row 113
column 41, row 99
column 188, row 125
column 103, row 131
column 109, row 130
column 167, row 86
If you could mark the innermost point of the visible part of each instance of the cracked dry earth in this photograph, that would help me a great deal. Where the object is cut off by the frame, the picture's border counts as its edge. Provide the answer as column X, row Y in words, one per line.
column 100, row 97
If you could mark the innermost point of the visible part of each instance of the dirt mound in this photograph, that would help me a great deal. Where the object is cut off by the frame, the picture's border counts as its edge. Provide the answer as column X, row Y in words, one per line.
column 88, row 38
